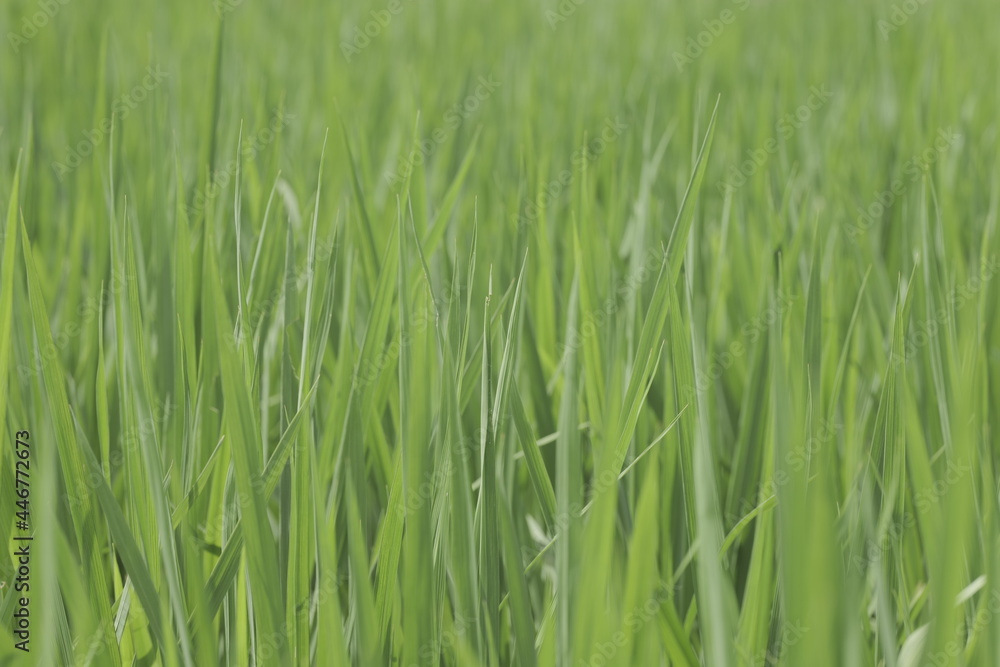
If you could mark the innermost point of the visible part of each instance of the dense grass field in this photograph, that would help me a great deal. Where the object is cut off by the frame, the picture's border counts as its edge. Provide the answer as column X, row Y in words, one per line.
column 579, row 334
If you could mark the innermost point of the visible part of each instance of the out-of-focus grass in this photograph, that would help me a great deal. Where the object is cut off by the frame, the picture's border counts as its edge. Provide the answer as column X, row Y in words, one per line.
column 611, row 333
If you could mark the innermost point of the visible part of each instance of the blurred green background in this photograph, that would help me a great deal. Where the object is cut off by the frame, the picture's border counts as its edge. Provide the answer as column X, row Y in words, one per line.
column 774, row 221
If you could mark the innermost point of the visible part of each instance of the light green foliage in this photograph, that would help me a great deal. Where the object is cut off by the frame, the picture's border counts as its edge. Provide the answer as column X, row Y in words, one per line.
column 565, row 334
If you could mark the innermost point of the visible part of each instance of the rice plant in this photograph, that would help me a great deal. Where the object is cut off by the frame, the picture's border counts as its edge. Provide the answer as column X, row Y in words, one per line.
column 577, row 333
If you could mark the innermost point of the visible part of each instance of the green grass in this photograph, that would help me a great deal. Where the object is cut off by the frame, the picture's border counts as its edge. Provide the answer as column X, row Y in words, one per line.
column 569, row 335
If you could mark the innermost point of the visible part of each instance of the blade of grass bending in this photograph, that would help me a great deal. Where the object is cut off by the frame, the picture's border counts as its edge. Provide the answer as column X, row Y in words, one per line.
column 439, row 223
column 488, row 538
column 70, row 458
column 677, row 245
column 642, row 577
column 368, row 252
column 221, row 579
column 533, row 459
column 569, row 489
column 521, row 616
column 389, row 544
column 648, row 351
column 302, row 543
column 6, row 317
column 363, row 609
column 246, row 448
column 126, row 547
column 152, row 456
column 415, row 442
column 462, row 547
column 716, row 599
column 505, row 375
